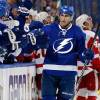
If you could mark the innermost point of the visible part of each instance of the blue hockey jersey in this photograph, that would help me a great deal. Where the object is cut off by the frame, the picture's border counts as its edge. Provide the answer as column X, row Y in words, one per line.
column 65, row 46
column 5, row 41
column 3, row 37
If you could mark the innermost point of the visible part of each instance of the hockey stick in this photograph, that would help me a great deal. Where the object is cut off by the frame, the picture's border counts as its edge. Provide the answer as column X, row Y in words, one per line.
column 86, row 62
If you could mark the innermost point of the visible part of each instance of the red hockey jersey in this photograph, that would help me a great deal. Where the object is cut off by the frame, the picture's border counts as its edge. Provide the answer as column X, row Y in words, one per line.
column 95, row 63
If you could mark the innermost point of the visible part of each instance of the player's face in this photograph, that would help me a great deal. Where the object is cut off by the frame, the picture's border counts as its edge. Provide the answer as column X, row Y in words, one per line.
column 11, row 1
column 48, row 20
column 65, row 19
column 88, row 23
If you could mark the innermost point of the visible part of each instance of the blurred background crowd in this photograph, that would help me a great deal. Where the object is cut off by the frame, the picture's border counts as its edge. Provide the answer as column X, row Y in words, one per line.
column 91, row 7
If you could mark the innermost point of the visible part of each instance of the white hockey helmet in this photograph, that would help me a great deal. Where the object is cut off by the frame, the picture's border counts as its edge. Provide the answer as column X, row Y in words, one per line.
column 33, row 12
column 81, row 19
column 42, row 16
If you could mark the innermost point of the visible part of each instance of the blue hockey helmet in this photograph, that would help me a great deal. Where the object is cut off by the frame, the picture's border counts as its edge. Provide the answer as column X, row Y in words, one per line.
column 67, row 10
column 3, row 6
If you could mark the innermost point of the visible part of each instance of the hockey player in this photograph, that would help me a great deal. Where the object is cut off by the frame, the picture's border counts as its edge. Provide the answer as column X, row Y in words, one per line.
column 39, row 60
column 45, row 18
column 7, row 37
column 19, row 10
column 66, row 43
column 89, row 83
column 35, row 51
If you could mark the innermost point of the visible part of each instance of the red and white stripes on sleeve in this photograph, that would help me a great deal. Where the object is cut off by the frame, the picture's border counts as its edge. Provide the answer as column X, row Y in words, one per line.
column 39, row 60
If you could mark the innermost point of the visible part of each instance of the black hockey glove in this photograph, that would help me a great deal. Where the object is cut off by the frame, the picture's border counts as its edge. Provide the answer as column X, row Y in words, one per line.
column 9, row 59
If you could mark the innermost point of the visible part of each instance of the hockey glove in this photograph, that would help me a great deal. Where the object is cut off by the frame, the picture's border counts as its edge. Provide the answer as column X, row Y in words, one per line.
column 87, row 55
column 41, row 38
column 9, row 59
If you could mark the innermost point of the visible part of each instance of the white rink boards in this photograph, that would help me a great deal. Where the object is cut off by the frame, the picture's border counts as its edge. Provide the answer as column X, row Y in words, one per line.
column 17, row 82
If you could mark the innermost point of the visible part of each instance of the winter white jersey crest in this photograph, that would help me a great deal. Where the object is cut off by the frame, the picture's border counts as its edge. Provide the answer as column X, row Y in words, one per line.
column 63, row 46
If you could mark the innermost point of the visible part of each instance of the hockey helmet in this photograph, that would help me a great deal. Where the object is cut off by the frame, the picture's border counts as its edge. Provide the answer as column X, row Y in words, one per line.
column 81, row 19
column 3, row 6
column 33, row 12
column 42, row 16
column 67, row 10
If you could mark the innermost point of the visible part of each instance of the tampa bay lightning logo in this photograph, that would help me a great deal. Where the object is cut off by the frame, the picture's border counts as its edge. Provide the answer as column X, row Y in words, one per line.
column 63, row 46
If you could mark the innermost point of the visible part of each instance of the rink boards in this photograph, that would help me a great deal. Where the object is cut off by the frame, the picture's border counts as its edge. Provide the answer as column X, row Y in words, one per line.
column 17, row 82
